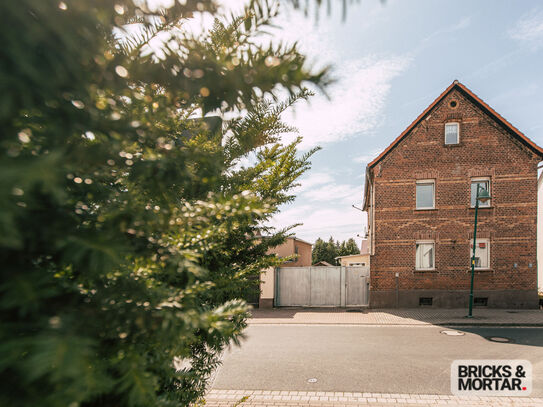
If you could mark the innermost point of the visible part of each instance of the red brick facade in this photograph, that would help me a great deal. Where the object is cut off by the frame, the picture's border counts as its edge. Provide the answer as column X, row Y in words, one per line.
column 488, row 147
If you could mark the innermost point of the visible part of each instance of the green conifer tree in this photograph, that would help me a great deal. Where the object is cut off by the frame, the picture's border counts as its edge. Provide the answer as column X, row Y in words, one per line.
column 351, row 247
column 129, row 230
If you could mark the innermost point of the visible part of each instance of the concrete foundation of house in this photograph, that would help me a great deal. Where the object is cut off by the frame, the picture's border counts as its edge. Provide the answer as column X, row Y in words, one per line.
column 515, row 299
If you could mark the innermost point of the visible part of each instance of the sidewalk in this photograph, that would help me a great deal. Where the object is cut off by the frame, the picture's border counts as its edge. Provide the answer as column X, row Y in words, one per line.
column 250, row 398
column 418, row 316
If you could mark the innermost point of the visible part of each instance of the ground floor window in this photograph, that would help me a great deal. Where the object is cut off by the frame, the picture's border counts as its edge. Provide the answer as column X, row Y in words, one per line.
column 425, row 255
column 482, row 253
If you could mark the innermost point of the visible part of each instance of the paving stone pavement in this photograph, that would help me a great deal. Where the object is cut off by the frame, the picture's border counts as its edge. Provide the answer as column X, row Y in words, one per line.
column 251, row 398
column 418, row 316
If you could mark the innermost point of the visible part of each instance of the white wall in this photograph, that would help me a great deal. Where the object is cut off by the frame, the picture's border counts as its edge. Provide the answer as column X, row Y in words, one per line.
column 267, row 284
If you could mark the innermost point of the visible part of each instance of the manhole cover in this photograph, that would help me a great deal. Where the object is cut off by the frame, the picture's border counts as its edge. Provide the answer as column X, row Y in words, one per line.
column 312, row 380
column 453, row 333
column 499, row 339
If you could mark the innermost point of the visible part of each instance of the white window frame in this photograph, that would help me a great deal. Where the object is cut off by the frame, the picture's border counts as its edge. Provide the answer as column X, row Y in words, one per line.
column 486, row 204
column 457, row 133
column 433, row 243
column 426, row 182
column 487, row 242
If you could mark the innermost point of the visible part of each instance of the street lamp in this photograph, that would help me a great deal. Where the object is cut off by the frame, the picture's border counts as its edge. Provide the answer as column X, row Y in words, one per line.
column 482, row 196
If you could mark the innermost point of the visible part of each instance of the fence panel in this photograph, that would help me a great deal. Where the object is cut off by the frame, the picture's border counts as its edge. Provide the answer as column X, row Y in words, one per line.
column 325, row 286
column 293, row 286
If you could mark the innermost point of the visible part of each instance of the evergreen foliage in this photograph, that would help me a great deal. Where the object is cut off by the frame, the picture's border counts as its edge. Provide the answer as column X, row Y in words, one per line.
column 328, row 251
column 128, row 225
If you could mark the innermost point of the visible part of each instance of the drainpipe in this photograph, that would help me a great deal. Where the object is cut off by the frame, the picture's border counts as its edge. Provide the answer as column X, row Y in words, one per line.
column 397, row 276
column 373, row 218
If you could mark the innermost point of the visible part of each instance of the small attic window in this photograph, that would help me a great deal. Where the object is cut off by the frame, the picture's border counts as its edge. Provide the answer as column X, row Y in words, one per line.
column 451, row 133
column 453, row 103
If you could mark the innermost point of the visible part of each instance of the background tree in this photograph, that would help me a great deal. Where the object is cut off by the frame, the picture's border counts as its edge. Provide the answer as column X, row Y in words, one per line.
column 332, row 250
column 328, row 251
column 318, row 252
column 128, row 227
column 351, row 247
column 341, row 249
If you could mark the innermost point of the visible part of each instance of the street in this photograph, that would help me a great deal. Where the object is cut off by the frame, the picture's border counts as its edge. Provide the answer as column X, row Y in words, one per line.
column 376, row 359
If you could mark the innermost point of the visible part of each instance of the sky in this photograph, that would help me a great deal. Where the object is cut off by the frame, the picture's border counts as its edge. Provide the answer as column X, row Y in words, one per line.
column 391, row 60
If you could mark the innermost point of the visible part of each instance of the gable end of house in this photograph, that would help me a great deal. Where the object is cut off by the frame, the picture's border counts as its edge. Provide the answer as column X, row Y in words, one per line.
column 521, row 140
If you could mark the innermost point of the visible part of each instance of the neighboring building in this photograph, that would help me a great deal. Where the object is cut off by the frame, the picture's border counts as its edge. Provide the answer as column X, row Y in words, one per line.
column 323, row 263
column 419, row 195
column 354, row 260
column 362, row 259
column 292, row 246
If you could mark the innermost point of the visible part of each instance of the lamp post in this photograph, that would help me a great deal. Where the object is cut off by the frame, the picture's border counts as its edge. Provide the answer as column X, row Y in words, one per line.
column 483, row 196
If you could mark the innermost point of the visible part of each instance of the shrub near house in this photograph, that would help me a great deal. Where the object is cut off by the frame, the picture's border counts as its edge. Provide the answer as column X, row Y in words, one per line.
column 420, row 196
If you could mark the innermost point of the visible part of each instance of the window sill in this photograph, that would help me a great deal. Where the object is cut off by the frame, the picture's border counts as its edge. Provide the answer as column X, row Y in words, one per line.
column 425, row 209
column 482, row 271
column 482, row 207
column 425, row 271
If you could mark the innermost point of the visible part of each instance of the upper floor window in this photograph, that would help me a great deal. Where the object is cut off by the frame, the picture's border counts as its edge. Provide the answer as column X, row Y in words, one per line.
column 482, row 254
column 425, row 255
column 479, row 183
column 452, row 131
column 425, row 194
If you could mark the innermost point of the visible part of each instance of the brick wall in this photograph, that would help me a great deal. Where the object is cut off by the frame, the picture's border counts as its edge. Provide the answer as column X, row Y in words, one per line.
column 486, row 149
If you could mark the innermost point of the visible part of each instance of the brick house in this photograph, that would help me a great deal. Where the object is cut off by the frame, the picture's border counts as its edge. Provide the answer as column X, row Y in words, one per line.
column 294, row 247
column 419, row 196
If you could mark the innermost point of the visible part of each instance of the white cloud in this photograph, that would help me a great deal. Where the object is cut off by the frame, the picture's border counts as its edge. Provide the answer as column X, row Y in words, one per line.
column 342, row 194
column 314, row 179
column 464, row 22
column 355, row 101
column 529, row 29
column 355, row 105
column 341, row 223
column 325, row 210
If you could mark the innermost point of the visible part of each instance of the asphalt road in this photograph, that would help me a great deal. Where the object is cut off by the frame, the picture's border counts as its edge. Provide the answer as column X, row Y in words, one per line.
column 387, row 359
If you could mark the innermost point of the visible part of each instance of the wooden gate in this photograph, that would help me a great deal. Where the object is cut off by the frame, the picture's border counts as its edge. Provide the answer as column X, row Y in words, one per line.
column 322, row 286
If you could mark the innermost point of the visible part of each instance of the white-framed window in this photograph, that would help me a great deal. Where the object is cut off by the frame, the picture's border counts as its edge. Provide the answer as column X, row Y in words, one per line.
column 452, row 133
column 481, row 183
column 482, row 254
column 425, row 255
column 425, row 194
